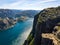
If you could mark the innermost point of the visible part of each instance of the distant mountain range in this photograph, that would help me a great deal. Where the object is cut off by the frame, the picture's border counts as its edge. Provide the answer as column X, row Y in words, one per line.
column 9, row 17
column 17, row 13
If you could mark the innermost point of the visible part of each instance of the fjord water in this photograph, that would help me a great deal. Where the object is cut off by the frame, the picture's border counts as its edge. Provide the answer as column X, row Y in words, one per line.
column 17, row 34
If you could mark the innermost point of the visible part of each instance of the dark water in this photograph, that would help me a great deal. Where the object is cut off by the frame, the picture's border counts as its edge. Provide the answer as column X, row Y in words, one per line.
column 17, row 34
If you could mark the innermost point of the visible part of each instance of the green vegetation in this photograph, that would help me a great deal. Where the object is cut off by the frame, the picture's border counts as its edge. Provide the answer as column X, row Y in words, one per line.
column 31, row 43
column 30, row 38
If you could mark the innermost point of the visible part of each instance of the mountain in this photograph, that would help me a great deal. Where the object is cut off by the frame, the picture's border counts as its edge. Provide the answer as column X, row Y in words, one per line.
column 8, row 13
column 17, row 13
column 6, row 23
column 28, row 13
column 46, row 28
column 9, row 17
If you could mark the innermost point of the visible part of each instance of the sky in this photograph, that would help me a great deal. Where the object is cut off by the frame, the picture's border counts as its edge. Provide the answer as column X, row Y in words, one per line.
column 28, row 4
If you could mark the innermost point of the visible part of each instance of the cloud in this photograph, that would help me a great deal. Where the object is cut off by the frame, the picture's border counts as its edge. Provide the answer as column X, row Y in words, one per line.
column 42, row 2
column 11, row 5
column 25, row 4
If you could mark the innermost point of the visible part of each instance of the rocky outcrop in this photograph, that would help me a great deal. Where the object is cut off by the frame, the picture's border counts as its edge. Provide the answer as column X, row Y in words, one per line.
column 44, row 23
column 6, row 23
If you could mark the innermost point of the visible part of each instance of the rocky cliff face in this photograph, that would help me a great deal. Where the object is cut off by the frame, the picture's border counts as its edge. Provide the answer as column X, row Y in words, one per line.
column 46, row 28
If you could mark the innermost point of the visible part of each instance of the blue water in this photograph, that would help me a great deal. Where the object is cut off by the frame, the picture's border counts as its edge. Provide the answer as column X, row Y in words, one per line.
column 13, row 35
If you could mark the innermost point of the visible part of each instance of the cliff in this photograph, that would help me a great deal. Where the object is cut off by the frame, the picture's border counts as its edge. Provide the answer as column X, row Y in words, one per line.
column 46, row 28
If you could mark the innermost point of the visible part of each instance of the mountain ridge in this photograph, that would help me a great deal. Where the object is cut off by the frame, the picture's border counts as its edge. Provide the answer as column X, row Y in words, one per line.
column 14, row 13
